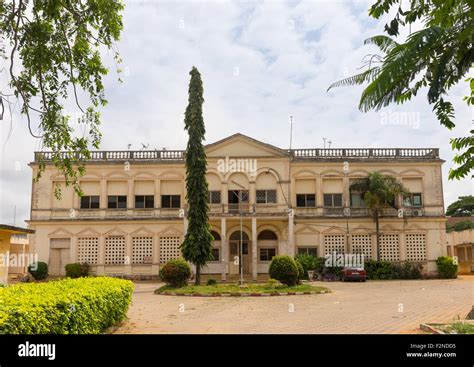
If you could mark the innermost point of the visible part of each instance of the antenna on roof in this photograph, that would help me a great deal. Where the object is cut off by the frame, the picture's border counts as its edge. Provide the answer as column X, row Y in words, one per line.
column 291, row 130
column 324, row 140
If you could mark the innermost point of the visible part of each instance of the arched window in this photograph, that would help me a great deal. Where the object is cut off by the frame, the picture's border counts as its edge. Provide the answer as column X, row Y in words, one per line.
column 267, row 235
column 217, row 236
column 236, row 236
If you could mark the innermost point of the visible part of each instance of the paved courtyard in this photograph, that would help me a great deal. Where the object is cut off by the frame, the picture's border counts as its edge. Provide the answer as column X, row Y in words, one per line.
column 372, row 307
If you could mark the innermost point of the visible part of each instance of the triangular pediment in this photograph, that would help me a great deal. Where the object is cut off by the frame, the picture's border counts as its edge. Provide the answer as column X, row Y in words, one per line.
column 142, row 231
column 239, row 145
column 115, row 232
column 334, row 230
column 88, row 232
column 307, row 230
column 60, row 233
column 170, row 231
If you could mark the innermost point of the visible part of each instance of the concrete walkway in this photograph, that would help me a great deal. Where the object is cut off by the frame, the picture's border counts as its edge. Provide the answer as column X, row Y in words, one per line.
column 372, row 307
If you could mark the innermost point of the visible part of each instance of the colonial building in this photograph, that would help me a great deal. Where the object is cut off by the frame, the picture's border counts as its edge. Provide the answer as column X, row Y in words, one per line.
column 132, row 217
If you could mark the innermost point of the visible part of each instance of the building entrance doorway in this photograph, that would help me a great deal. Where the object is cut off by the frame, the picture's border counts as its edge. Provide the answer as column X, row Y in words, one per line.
column 238, row 253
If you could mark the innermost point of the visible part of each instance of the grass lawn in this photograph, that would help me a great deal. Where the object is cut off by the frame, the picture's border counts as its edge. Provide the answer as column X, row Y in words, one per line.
column 246, row 289
column 458, row 328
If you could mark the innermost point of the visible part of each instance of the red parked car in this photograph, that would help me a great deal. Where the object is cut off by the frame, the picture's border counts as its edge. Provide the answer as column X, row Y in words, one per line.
column 357, row 274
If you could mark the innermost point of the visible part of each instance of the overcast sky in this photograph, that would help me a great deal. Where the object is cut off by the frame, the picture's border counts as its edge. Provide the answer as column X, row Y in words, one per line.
column 260, row 62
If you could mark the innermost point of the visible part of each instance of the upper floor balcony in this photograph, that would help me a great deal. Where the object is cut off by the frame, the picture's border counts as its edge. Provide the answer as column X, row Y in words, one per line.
column 366, row 153
column 298, row 154
column 233, row 210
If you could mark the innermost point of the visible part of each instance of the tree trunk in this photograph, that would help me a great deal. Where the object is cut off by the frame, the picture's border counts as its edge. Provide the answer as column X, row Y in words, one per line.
column 197, row 280
column 377, row 235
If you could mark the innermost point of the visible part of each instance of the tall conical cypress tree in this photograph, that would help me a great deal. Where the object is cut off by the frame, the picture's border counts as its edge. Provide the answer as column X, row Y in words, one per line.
column 197, row 245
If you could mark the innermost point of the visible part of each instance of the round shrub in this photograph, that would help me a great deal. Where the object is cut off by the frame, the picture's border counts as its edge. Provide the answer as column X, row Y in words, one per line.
column 73, row 270
column 447, row 268
column 176, row 273
column 38, row 270
column 284, row 269
column 301, row 272
column 211, row 282
column 77, row 270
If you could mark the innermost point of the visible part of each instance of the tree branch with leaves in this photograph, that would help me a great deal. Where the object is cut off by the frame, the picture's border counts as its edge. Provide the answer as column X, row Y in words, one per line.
column 436, row 58
column 53, row 48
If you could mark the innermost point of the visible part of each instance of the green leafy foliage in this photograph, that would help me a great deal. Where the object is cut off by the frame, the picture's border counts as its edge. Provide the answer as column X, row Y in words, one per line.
column 197, row 245
column 211, row 282
column 407, row 270
column 54, row 55
column 435, row 58
column 309, row 262
column 284, row 269
column 460, row 226
column 39, row 270
column 387, row 270
column 380, row 192
column 69, row 306
column 77, row 270
column 379, row 269
column 301, row 272
column 176, row 273
column 463, row 207
column 447, row 268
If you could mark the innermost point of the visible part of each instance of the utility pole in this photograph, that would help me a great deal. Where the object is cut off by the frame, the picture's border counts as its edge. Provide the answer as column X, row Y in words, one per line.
column 291, row 130
column 241, row 257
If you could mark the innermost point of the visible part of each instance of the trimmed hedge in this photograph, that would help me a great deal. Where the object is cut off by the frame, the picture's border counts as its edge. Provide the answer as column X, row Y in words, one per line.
column 68, row 306
column 284, row 269
column 176, row 273
column 447, row 268
column 387, row 270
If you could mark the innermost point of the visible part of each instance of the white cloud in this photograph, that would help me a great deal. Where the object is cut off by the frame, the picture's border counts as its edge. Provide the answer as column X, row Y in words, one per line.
column 260, row 62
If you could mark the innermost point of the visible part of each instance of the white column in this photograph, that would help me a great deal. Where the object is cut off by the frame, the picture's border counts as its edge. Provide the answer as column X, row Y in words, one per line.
column 131, row 194
column 254, row 248
column 291, row 234
column 103, row 194
column 402, row 246
column 155, row 268
column 224, row 248
column 127, row 269
column 73, row 250
column 101, row 256
column 185, row 225
column 253, row 196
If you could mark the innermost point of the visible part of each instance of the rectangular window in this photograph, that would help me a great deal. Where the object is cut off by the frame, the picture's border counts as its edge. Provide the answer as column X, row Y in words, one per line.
column 305, row 200
column 308, row 250
column 238, row 196
column 413, row 199
column 266, row 254
column 266, row 196
column 357, row 200
column 117, row 202
column 333, row 200
column 214, row 197
column 170, row 201
column 215, row 254
column 90, row 202
column 144, row 201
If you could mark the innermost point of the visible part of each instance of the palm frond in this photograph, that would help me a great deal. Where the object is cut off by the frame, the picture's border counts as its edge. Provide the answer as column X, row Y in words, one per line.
column 357, row 79
column 385, row 43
